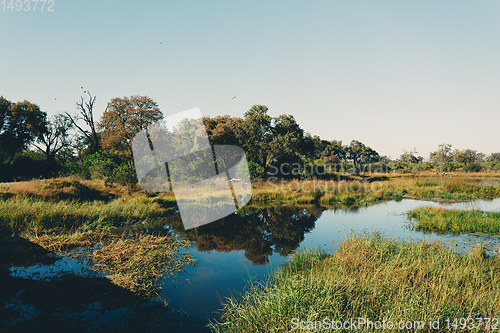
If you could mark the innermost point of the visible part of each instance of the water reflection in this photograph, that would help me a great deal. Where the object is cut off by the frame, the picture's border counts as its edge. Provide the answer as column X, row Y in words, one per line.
column 230, row 252
column 44, row 292
column 259, row 232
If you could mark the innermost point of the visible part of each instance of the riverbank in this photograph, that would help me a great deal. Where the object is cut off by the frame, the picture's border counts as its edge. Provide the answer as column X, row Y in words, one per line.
column 61, row 215
column 455, row 220
column 66, row 213
column 373, row 278
column 71, row 204
column 381, row 187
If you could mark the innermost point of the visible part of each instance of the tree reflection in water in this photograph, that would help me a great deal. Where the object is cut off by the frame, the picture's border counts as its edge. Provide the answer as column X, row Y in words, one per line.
column 258, row 231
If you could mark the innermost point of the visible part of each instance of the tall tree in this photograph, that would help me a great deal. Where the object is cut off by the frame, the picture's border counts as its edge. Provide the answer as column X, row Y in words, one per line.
column 4, row 109
column 410, row 157
column 21, row 123
column 222, row 129
column 334, row 152
column 442, row 155
column 359, row 153
column 467, row 156
column 494, row 158
column 56, row 138
column 86, row 113
column 124, row 118
column 254, row 133
column 286, row 137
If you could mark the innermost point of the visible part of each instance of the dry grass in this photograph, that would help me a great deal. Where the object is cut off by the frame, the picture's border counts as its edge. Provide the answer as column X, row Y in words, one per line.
column 66, row 188
column 139, row 262
column 136, row 262
column 61, row 242
column 375, row 188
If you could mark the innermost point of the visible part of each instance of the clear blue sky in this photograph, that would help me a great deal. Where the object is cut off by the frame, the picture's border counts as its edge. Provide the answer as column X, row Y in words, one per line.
column 392, row 74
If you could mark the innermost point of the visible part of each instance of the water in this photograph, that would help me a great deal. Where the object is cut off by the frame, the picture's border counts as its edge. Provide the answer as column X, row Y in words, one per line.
column 220, row 274
column 237, row 249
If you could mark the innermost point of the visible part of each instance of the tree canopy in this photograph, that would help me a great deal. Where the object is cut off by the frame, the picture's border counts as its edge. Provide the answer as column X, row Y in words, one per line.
column 21, row 123
column 124, row 118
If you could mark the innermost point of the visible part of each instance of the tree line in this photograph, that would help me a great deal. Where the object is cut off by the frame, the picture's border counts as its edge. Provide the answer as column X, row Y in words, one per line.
column 32, row 145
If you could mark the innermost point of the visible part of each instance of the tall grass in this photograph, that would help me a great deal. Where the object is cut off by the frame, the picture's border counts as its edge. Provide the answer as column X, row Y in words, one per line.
column 139, row 262
column 454, row 220
column 33, row 214
column 360, row 191
column 369, row 277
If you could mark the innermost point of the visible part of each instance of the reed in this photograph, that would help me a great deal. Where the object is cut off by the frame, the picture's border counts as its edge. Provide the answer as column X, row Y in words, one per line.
column 369, row 277
column 454, row 220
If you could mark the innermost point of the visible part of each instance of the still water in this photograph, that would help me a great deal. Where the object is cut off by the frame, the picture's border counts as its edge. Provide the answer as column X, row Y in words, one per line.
column 221, row 273
column 238, row 249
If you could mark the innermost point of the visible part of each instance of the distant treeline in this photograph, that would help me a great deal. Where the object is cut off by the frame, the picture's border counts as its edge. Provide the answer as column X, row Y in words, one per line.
column 35, row 146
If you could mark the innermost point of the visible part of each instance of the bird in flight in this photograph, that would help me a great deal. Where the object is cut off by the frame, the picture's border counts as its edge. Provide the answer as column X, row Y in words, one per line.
column 233, row 97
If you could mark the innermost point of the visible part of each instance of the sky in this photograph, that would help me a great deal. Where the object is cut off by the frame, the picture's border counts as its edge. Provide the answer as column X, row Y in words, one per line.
column 396, row 75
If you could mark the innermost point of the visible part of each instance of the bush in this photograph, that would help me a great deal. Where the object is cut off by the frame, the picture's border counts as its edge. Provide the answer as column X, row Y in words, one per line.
column 125, row 174
column 473, row 167
column 103, row 165
column 423, row 166
column 450, row 166
column 29, row 165
column 256, row 171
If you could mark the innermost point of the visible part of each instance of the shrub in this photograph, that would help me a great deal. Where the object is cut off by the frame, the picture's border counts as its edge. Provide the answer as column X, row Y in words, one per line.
column 125, row 174
column 473, row 167
column 256, row 171
column 450, row 166
column 103, row 165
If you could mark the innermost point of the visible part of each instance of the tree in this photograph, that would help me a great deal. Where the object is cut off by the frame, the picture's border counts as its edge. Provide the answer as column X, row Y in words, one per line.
column 124, row 118
column 266, row 139
column 55, row 139
column 493, row 158
column 410, row 157
column 359, row 153
column 442, row 155
column 254, row 133
column 222, row 129
column 334, row 152
column 312, row 146
column 86, row 109
column 286, row 136
column 4, row 109
column 467, row 156
column 21, row 123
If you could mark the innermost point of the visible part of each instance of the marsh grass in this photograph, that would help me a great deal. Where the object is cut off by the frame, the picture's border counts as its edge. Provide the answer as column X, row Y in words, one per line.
column 62, row 215
column 36, row 215
column 66, row 188
column 370, row 189
column 369, row 277
column 140, row 262
column 454, row 220
column 61, row 242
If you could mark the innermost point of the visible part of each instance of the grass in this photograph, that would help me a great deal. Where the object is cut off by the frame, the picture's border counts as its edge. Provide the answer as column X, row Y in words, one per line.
column 61, row 214
column 369, row 277
column 139, row 262
column 358, row 191
column 454, row 220
column 64, row 214
column 37, row 215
